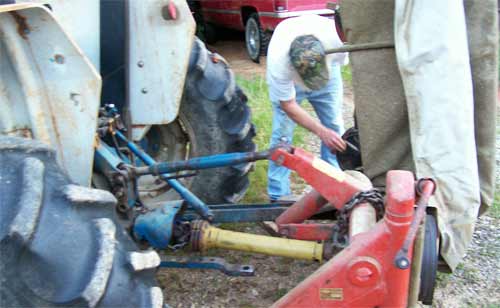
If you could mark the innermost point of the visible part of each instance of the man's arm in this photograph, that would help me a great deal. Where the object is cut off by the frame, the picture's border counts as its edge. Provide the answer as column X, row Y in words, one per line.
column 300, row 116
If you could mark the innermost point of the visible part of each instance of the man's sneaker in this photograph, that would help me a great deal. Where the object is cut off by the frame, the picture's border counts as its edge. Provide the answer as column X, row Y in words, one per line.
column 286, row 199
column 270, row 227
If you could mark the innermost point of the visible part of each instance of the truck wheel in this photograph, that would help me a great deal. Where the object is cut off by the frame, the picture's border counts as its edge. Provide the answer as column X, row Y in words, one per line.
column 61, row 244
column 214, row 118
column 256, row 38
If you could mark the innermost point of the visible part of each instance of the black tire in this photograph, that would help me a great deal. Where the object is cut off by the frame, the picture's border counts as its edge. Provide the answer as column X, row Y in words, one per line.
column 430, row 259
column 210, row 33
column 216, row 119
column 216, row 110
column 350, row 159
column 61, row 244
column 256, row 38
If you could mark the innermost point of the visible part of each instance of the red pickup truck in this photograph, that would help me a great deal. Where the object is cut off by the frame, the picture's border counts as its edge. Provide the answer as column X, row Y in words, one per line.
column 258, row 18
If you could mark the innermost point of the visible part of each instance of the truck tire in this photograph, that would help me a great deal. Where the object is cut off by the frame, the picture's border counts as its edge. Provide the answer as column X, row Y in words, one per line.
column 256, row 38
column 214, row 118
column 61, row 244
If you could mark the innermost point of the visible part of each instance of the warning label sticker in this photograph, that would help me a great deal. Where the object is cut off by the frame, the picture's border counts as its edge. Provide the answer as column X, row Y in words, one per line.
column 331, row 294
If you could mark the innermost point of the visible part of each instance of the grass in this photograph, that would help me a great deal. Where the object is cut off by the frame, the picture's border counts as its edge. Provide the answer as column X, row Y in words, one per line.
column 258, row 100
column 347, row 74
column 256, row 90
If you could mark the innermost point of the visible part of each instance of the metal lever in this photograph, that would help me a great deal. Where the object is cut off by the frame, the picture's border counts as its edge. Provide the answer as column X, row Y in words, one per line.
column 425, row 188
column 208, row 263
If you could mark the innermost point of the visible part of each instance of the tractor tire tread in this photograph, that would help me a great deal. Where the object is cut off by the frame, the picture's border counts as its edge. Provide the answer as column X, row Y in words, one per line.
column 217, row 109
column 61, row 244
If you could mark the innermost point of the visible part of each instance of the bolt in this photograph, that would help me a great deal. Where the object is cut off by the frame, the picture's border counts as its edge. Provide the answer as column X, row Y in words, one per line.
column 59, row 59
column 403, row 263
column 144, row 90
column 140, row 64
column 280, row 160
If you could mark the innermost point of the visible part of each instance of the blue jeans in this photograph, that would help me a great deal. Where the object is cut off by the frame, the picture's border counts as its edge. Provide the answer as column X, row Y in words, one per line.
column 327, row 103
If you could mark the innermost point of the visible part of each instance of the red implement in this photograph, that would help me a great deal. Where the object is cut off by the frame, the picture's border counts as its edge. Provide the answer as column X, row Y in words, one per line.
column 307, row 232
column 364, row 273
column 304, row 208
column 330, row 184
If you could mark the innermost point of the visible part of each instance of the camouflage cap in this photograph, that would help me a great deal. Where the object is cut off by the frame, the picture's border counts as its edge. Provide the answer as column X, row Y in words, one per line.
column 308, row 58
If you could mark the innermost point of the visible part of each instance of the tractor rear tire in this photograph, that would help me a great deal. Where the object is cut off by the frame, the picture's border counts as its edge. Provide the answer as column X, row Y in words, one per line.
column 61, row 244
column 217, row 111
column 216, row 119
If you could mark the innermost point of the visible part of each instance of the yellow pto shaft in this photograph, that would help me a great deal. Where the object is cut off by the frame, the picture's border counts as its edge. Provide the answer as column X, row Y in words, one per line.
column 204, row 237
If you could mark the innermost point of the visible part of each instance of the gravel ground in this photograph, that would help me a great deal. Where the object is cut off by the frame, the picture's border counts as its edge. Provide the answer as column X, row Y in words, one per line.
column 475, row 283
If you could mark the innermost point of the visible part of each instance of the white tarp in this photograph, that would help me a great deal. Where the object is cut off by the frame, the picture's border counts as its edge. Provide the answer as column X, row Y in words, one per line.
column 433, row 58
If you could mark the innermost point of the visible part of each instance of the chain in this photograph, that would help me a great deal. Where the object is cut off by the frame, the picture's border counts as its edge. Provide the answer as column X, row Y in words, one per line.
column 341, row 229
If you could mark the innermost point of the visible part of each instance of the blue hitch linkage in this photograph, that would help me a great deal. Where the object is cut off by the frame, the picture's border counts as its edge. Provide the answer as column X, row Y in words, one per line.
column 206, row 162
column 199, row 206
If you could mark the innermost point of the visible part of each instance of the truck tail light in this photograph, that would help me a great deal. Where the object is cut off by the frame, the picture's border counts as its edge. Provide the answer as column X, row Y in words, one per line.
column 280, row 5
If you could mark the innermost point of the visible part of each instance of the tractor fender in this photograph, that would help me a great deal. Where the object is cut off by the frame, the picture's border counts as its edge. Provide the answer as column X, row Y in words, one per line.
column 160, row 36
column 49, row 90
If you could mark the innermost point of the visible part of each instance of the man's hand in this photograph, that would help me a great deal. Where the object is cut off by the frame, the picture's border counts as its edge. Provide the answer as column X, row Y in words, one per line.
column 300, row 116
column 332, row 140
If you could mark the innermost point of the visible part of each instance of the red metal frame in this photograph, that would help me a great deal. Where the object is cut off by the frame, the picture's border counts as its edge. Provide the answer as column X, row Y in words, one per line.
column 303, row 208
column 364, row 274
column 308, row 232
column 330, row 185
column 336, row 186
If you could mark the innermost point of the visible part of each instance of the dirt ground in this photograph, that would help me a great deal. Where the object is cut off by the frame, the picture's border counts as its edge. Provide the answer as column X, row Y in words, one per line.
column 476, row 282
